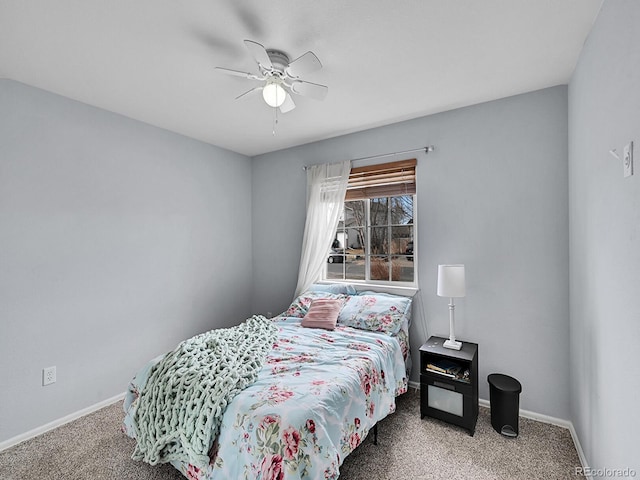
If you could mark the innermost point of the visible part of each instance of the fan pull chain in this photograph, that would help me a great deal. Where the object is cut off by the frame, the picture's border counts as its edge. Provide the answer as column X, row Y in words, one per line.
column 275, row 121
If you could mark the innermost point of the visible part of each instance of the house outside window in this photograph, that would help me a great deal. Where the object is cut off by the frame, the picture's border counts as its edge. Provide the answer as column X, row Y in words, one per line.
column 376, row 233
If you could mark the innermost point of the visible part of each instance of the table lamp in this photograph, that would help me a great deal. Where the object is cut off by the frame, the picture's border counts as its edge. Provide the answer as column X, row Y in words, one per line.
column 451, row 284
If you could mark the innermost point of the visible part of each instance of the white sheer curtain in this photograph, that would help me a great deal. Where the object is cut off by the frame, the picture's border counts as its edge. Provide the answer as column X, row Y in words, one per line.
column 326, row 188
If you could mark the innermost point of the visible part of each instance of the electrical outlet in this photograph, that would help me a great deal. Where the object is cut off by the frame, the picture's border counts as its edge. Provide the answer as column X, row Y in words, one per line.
column 627, row 159
column 48, row 376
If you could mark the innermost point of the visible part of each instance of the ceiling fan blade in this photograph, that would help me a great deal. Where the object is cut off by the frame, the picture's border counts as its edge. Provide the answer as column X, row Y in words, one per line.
column 309, row 89
column 288, row 104
column 307, row 63
column 259, row 54
column 248, row 92
column 237, row 73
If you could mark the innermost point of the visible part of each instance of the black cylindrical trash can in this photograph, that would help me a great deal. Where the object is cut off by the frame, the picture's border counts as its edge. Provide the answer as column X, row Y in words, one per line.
column 504, row 397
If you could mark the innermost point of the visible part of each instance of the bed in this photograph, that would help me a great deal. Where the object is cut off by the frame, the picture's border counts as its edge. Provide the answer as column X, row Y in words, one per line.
column 317, row 395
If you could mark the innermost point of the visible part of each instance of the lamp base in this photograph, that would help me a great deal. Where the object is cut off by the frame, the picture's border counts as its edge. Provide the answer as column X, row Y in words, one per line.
column 452, row 344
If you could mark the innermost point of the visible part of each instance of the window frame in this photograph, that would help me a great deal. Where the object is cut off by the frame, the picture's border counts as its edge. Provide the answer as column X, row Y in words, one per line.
column 391, row 286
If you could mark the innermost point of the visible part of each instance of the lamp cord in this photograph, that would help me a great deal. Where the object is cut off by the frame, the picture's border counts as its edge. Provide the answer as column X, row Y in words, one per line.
column 423, row 322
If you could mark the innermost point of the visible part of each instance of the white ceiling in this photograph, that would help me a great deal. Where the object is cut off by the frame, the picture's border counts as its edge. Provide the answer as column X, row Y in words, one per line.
column 384, row 61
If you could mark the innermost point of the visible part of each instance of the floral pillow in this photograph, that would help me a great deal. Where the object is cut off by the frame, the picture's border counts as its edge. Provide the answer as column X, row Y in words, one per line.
column 300, row 306
column 376, row 312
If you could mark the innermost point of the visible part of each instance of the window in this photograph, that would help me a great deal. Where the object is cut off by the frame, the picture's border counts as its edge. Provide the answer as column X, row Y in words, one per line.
column 375, row 235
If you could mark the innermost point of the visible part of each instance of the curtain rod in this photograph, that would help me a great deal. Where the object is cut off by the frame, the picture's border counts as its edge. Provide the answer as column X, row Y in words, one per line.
column 425, row 149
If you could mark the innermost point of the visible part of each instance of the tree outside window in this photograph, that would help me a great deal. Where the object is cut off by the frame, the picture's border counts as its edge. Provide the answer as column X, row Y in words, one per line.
column 376, row 235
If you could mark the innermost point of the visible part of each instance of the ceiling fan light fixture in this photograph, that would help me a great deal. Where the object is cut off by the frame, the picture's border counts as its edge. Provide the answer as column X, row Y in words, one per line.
column 280, row 77
column 274, row 95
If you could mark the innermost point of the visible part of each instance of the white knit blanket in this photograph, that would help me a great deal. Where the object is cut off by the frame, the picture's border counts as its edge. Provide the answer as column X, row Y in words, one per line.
column 181, row 406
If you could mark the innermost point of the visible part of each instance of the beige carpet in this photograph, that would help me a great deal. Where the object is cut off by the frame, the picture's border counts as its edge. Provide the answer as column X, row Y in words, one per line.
column 408, row 448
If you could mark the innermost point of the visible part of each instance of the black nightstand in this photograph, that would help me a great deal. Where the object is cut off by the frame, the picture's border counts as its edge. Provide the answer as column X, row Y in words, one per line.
column 452, row 394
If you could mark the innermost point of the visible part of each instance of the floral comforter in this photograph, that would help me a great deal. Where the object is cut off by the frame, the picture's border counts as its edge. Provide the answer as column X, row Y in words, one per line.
column 316, row 398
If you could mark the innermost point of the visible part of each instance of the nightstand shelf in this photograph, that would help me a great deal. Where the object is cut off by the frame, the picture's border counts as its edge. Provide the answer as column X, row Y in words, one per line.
column 451, row 393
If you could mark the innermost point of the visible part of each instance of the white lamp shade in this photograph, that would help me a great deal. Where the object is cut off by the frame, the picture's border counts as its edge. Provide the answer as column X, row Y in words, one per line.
column 451, row 281
column 273, row 94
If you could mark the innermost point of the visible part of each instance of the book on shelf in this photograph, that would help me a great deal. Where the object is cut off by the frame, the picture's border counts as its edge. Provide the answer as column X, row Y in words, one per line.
column 439, row 372
column 445, row 367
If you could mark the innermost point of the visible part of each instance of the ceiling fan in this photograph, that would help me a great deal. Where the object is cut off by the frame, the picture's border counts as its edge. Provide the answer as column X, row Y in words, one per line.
column 281, row 77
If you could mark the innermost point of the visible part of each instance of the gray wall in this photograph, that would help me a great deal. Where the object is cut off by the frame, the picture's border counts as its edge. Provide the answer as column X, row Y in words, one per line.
column 604, row 113
column 117, row 240
column 493, row 196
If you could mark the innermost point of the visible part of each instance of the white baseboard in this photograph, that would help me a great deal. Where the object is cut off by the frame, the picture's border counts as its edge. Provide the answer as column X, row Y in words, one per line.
column 59, row 422
column 535, row 416
column 581, row 455
column 544, row 419
column 413, row 384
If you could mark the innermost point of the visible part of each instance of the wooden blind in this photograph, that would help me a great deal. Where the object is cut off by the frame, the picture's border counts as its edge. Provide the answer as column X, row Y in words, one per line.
column 382, row 180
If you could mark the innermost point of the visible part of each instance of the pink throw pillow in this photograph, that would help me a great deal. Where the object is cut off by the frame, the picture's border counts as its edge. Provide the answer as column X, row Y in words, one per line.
column 323, row 313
